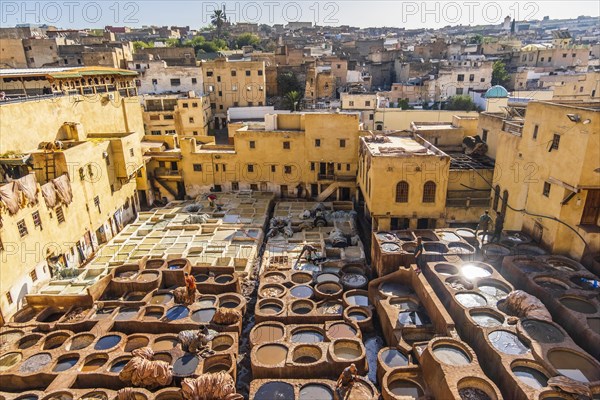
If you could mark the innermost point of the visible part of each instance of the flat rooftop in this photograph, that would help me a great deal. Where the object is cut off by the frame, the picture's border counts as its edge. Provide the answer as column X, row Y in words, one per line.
column 394, row 146
column 464, row 161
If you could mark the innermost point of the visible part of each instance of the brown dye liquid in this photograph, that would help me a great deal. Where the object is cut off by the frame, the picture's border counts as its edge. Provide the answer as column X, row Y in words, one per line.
column 213, row 369
column 161, row 298
column 93, row 364
column 267, row 333
column 451, row 355
column 578, row 305
column 405, row 388
column 346, row 352
column 574, row 366
column 81, row 342
column 338, row 331
column 594, row 324
column 270, row 309
column 543, row 332
column 8, row 360
column 164, row 344
column 271, row 354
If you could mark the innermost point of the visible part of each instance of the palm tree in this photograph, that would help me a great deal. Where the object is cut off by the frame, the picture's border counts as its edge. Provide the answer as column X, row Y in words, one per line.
column 218, row 20
column 292, row 100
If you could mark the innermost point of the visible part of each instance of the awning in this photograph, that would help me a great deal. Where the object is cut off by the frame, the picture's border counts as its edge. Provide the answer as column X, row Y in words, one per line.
column 22, row 160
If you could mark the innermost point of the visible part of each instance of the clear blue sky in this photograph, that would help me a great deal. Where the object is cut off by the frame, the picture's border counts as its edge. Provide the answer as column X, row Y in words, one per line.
column 409, row 14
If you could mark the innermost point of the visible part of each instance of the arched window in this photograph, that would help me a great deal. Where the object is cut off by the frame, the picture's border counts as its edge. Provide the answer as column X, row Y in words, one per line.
column 504, row 202
column 402, row 192
column 496, row 197
column 429, row 192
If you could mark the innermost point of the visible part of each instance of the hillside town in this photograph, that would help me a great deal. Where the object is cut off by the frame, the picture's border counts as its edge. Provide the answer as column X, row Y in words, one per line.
column 299, row 211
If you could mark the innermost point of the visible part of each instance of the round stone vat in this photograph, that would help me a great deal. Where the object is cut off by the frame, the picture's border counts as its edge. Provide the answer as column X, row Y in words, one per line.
column 341, row 330
column 168, row 394
column 271, row 354
column 94, row 395
column 207, row 301
column 66, row 362
column 177, row 312
column 400, row 386
column 474, row 270
column 460, row 248
column 448, row 236
column 495, row 252
column 79, row 342
column 306, row 354
column 563, row 264
column 177, row 264
column 301, row 277
column 315, row 391
column 307, row 335
column 542, row 331
column 471, row 299
column 118, row 365
column 301, row 291
column 409, row 247
column 578, row 304
column 94, row 362
column 353, row 269
column 416, row 318
column 272, row 290
column 386, row 236
column 330, row 307
column 357, row 298
column 50, row 314
column 153, row 313
column 529, row 250
column 346, row 350
column 451, row 353
column 25, row 315
column 390, row 247
column 9, row 360
column 186, row 365
column 229, row 301
column 493, row 289
column 203, row 316
column 164, row 343
column 221, row 343
column 9, row 338
column 550, row 283
column 357, row 314
column 274, row 277
column 148, row 276
column 266, row 332
column 435, row 247
column 275, row 390
column 405, row 236
column 270, row 306
column 507, row 342
column 465, row 233
column 486, row 317
column 392, row 358
column 28, row 341
column 107, row 342
column 472, row 388
column 327, row 277
column 55, row 340
column 35, row 363
column 529, row 374
column 156, row 263
column 127, row 313
column 404, row 303
column 135, row 296
column 458, row 283
column 217, row 363
column 530, row 266
column 446, row 269
column 328, row 290
column 302, row 307
column 574, row 365
column 60, row 395
column 394, row 289
column 353, row 281
column 136, row 342
column 201, row 278
column 223, row 279
column 104, row 313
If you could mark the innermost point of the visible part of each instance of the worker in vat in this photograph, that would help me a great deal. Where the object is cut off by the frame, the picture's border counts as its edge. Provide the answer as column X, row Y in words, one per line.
column 484, row 223
column 498, row 227
column 190, row 286
column 419, row 254
column 346, row 380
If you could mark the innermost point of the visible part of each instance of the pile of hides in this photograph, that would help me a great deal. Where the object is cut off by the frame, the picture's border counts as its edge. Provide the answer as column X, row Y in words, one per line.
column 474, row 145
column 524, row 305
column 219, row 386
column 337, row 238
column 196, row 219
column 12, row 198
column 196, row 341
column 62, row 185
column 193, row 208
column 126, row 394
column 279, row 225
column 227, row 316
column 142, row 370
column 181, row 295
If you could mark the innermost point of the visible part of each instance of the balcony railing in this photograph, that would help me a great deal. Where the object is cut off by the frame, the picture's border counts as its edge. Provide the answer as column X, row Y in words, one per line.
column 515, row 128
column 335, row 177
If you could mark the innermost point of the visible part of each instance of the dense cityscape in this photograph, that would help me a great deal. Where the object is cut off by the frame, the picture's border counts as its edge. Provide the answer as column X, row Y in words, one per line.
column 302, row 210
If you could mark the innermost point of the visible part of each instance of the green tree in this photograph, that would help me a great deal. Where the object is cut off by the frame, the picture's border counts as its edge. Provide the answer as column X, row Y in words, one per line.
column 173, row 43
column 477, row 39
column 247, row 39
column 403, row 104
column 137, row 45
column 499, row 74
column 461, row 102
column 288, row 82
column 218, row 21
column 292, row 100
